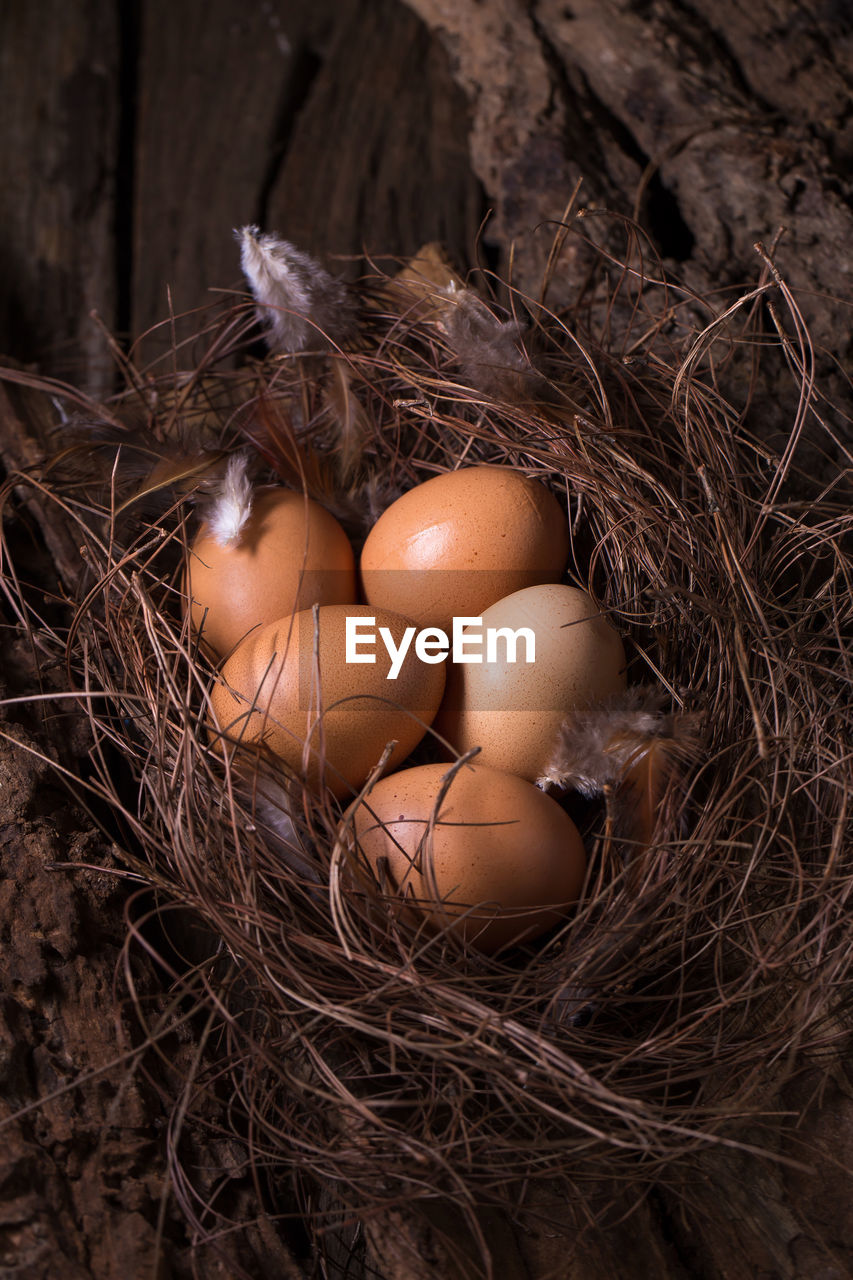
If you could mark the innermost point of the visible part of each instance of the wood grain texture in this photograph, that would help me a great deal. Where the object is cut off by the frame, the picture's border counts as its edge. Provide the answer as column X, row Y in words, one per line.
column 59, row 111
column 338, row 125
column 135, row 136
column 210, row 78
column 378, row 157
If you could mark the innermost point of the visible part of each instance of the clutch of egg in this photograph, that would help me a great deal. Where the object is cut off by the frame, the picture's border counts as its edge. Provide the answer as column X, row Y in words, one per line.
column 501, row 860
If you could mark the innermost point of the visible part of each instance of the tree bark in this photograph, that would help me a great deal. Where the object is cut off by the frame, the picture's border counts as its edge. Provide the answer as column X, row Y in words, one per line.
column 716, row 127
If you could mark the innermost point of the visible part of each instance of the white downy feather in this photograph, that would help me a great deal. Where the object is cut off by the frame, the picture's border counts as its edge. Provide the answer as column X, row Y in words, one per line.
column 233, row 505
column 299, row 302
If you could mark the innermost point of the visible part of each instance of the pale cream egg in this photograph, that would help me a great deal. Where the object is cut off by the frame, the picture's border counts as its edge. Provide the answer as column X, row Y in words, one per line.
column 512, row 708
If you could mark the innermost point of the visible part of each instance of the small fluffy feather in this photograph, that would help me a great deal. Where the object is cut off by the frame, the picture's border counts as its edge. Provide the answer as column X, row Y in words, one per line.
column 299, row 302
column 597, row 743
column 350, row 420
column 273, row 811
column 630, row 746
column 489, row 350
column 378, row 494
column 232, row 506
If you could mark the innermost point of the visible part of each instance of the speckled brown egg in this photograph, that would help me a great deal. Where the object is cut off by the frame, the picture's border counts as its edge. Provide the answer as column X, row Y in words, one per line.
column 270, row 693
column 455, row 544
column 502, row 864
column 513, row 710
column 291, row 554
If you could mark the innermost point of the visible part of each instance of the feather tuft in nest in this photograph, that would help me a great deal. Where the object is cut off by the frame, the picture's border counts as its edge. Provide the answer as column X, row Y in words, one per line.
column 299, row 302
column 628, row 746
column 232, row 506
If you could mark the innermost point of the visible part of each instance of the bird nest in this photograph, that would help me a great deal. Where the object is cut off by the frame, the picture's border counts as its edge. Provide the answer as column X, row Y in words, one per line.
column 340, row 1045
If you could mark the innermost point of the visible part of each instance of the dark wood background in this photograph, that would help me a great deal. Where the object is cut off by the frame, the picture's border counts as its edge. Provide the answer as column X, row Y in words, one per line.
column 133, row 138
column 138, row 135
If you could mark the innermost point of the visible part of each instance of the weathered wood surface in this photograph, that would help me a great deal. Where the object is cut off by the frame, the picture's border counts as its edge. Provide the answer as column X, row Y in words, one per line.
column 717, row 125
column 135, row 136
column 59, row 108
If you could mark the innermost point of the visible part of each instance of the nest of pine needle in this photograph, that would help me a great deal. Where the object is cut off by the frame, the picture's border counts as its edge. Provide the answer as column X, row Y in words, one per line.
column 340, row 1044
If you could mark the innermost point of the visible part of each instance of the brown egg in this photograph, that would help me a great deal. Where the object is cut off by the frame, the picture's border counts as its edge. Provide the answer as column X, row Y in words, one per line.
column 507, row 862
column 455, row 544
column 514, row 709
column 292, row 553
column 268, row 693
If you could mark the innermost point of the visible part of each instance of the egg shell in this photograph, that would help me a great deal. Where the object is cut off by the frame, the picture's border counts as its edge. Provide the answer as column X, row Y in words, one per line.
column 292, row 553
column 457, row 543
column 513, row 710
column 268, row 694
column 499, row 845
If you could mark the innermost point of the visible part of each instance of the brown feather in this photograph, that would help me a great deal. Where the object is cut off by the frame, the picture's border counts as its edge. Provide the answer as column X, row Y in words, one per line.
column 269, row 427
column 491, row 353
column 181, row 473
column 350, row 423
column 424, row 288
column 629, row 747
